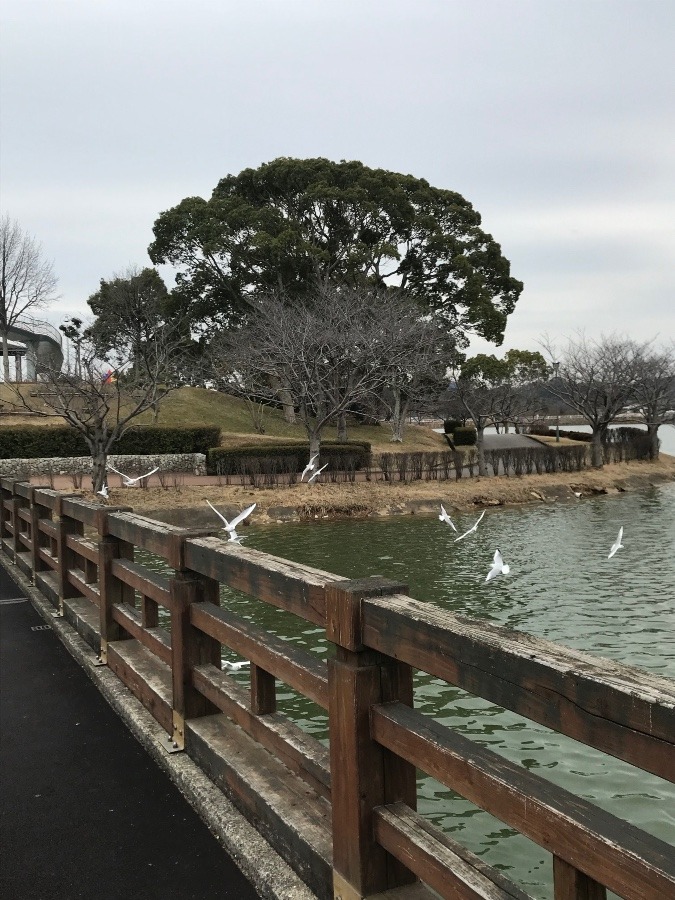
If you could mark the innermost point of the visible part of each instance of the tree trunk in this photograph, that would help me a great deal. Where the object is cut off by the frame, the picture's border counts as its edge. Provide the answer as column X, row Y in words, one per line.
column 596, row 448
column 653, row 432
column 398, row 417
column 342, row 427
column 480, row 448
column 286, row 400
column 5, row 357
column 314, row 442
column 99, row 459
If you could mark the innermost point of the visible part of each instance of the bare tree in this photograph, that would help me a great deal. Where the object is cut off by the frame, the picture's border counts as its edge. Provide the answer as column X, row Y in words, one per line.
column 27, row 280
column 596, row 379
column 493, row 391
column 328, row 355
column 102, row 397
column 654, row 391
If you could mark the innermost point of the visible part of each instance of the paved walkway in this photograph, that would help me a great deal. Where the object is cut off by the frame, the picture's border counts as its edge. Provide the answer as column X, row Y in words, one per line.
column 84, row 811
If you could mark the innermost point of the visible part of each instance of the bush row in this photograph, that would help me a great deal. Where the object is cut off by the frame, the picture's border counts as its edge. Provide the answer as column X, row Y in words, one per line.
column 527, row 460
column 290, row 459
column 34, row 442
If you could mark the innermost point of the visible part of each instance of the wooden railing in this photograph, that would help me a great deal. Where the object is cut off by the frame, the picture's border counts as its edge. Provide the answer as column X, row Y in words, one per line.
column 352, row 829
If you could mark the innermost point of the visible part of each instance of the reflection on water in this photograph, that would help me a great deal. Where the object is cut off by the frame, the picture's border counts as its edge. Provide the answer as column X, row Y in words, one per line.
column 561, row 587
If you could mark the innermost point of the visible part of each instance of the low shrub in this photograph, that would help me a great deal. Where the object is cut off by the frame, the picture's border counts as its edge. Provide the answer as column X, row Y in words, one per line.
column 449, row 425
column 36, row 442
column 464, row 436
column 285, row 458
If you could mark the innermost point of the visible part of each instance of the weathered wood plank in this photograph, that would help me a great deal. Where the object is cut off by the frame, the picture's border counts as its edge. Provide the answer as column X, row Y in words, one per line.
column 82, row 547
column 609, row 850
column 299, row 669
column 150, row 584
column 84, row 511
column 48, row 527
column 156, row 640
column 280, row 805
column 142, row 532
column 48, row 558
column 78, row 580
column 296, row 588
column 300, row 752
column 618, row 709
column 147, row 677
column 446, row 866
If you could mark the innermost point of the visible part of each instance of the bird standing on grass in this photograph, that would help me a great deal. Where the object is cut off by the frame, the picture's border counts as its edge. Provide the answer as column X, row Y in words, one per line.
column 230, row 527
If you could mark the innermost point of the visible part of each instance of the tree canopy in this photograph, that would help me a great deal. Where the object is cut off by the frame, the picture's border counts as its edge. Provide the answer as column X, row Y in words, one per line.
column 292, row 223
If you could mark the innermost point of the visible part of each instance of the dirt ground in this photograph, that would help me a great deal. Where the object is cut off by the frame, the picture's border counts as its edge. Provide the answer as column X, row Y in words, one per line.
column 383, row 498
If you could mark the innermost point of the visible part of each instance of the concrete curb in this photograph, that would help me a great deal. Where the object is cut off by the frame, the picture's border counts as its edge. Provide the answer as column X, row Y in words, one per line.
column 265, row 869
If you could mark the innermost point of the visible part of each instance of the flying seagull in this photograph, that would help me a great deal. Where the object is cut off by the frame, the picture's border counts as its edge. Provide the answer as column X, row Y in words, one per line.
column 127, row 479
column 235, row 666
column 444, row 517
column 473, row 527
column 104, row 491
column 318, row 472
column 311, row 465
column 617, row 545
column 498, row 567
column 231, row 526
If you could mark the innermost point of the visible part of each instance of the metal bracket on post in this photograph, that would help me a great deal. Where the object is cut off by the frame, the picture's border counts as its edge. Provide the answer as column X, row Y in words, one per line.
column 176, row 742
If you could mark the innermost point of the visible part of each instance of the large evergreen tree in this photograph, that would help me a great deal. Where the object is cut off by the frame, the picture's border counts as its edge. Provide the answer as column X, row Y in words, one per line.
column 292, row 223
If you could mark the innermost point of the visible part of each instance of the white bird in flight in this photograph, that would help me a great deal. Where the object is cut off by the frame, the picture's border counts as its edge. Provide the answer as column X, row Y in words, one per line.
column 473, row 527
column 231, row 526
column 617, row 545
column 444, row 517
column 104, row 491
column 318, row 472
column 128, row 480
column 235, row 666
column 311, row 465
column 498, row 567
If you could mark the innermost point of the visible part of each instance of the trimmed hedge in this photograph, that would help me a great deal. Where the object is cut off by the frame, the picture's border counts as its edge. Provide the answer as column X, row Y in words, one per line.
column 449, row 425
column 464, row 436
column 284, row 458
column 34, row 442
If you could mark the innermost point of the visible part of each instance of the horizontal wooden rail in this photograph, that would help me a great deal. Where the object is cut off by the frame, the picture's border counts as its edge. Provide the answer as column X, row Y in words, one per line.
column 48, row 558
column 147, row 534
column 300, row 752
column 290, row 586
column 24, row 514
column 450, row 869
column 82, row 547
column 46, row 526
column 621, row 710
column 78, row 579
column 145, row 581
column 157, row 640
column 84, row 511
column 611, row 851
column 301, row 670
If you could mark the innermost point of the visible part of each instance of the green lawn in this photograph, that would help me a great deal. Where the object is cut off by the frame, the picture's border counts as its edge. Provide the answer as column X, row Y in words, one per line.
column 198, row 406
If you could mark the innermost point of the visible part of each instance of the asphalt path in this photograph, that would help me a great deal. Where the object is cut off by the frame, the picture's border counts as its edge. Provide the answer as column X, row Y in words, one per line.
column 84, row 811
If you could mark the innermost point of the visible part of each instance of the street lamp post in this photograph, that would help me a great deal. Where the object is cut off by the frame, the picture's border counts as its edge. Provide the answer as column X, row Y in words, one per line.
column 556, row 366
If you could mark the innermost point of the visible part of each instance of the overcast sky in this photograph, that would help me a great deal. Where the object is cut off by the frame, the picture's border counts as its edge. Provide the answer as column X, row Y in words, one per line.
column 555, row 118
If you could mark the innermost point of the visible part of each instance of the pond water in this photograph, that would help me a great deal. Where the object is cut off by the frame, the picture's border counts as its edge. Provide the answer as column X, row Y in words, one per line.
column 561, row 587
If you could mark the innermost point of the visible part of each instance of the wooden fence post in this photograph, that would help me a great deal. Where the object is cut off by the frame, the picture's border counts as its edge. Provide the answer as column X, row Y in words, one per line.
column 363, row 774
column 111, row 589
column 18, row 524
column 6, row 485
column 38, row 538
column 189, row 646
column 65, row 526
column 571, row 884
